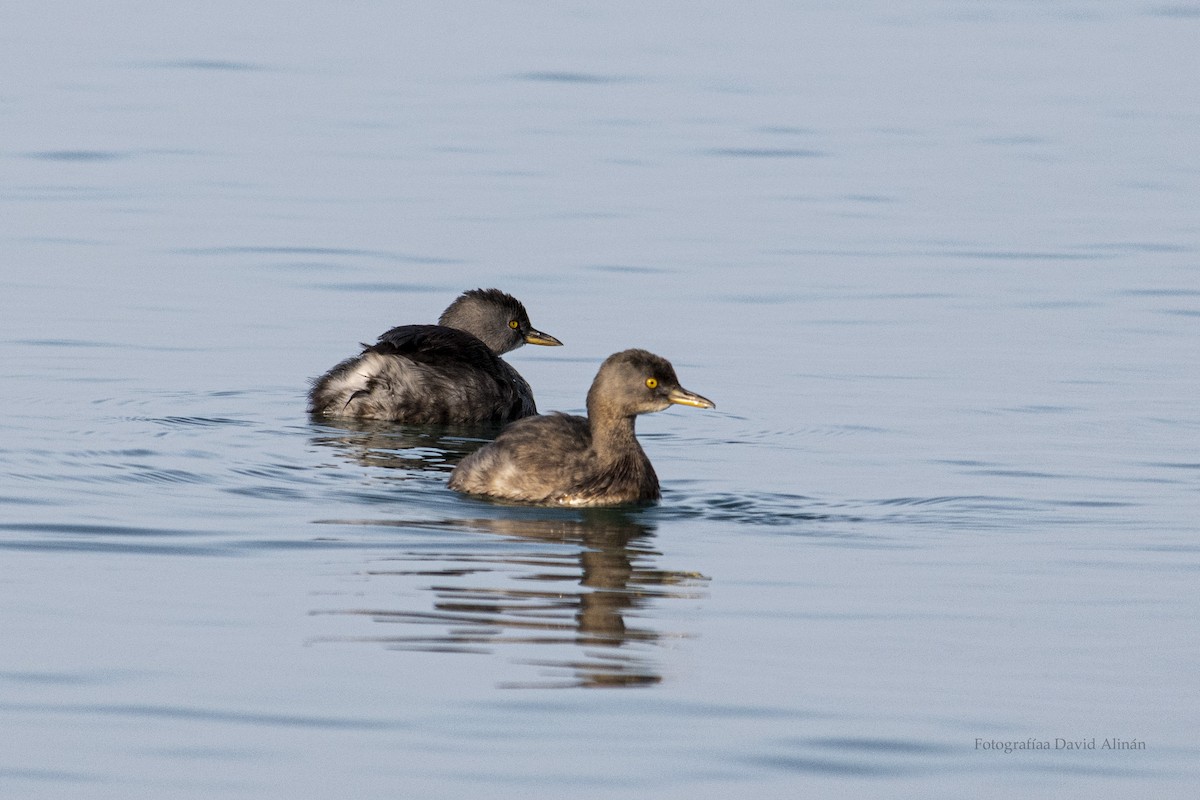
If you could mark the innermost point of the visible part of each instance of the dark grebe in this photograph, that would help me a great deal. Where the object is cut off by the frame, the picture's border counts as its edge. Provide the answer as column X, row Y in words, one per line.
column 449, row 373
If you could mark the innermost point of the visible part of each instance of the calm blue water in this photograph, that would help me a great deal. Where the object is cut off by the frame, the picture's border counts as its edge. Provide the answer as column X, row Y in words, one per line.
column 936, row 263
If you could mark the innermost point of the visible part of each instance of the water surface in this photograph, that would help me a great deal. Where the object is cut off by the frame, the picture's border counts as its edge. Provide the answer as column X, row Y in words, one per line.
column 936, row 264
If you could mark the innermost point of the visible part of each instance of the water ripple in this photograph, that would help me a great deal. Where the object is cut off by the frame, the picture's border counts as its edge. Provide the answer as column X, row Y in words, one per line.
column 216, row 65
column 90, row 538
column 193, row 422
column 77, row 156
column 1175, row 11
column 766, row 152
column 579, row 78
column 288, row 250
column 49, row 775
column 80, row 529
column 195, row 714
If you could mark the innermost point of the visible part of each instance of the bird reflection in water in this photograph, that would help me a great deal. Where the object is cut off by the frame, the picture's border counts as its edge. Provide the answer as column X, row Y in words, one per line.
column 600, row 583
column 412, row 448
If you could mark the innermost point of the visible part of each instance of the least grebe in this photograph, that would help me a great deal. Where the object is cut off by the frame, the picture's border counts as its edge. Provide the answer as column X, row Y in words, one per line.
column 449, row 373
column 560, row 459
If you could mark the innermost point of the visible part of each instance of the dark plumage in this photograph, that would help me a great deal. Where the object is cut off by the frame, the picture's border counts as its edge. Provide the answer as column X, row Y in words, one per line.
column 559, row 459
column 449, row 373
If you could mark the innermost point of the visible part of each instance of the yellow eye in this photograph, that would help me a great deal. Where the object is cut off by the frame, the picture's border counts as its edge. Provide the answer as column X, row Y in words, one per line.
column 514, row 324
column 651, row 383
